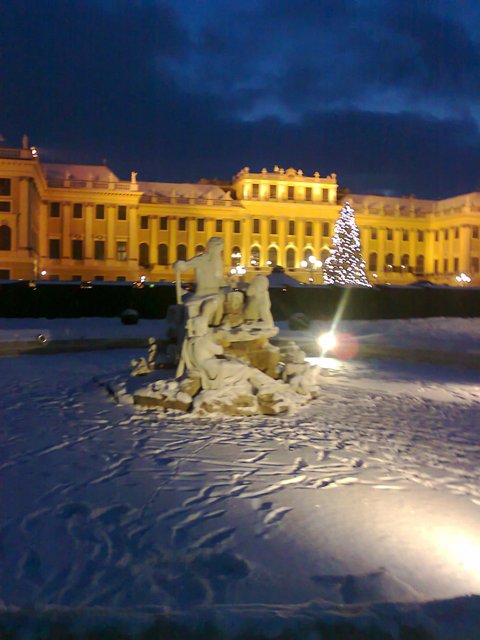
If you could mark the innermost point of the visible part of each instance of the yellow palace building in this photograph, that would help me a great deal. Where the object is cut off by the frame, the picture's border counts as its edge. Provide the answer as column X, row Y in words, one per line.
column 80, row 222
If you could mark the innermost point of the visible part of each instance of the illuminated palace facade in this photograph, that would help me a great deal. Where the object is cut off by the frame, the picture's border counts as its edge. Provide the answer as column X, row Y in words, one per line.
column 78, row 222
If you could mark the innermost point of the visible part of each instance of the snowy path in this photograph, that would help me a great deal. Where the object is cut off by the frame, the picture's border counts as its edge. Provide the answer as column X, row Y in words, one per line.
column 371, row 493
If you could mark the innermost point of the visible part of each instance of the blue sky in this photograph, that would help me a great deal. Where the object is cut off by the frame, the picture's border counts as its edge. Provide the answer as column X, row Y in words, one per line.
column 383, row 93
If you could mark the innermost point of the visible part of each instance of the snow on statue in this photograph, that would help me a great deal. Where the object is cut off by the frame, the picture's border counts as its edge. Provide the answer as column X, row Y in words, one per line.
column 226, row 362
column 345, row 264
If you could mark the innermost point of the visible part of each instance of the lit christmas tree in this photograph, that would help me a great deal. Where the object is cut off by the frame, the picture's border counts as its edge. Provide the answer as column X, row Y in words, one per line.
column 345, row 264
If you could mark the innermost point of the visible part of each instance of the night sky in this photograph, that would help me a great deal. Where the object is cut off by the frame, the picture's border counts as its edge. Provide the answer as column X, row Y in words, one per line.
column 384, row 93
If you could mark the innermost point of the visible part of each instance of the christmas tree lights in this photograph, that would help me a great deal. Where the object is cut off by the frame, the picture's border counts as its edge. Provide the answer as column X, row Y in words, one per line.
column 345, row 265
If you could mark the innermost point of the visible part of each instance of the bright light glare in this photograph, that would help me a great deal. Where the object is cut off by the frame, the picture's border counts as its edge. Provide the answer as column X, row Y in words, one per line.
column 304, row 264
column 327, row 341
column 143, row 278
column 312, row 259
column 43, row 273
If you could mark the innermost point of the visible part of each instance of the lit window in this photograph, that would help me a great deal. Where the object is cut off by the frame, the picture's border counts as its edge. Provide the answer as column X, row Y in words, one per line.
column 254, row 190
column 324, row 195
column 273, row 191
column 122, row 250
column 308, row 194
column 291, row 193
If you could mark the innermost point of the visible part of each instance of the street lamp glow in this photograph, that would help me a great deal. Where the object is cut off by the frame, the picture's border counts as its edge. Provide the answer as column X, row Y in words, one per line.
column 43, row 273
column 304, row 264
column 312, row 259
column 327, row 341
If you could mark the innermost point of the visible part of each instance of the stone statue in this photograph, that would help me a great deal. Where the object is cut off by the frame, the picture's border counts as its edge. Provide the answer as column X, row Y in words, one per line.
column 133, row 177
column 208, row 268
column 201, row 356
column 258, row 301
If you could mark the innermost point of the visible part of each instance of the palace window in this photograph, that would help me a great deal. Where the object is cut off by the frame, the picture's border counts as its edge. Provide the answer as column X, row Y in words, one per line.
column 273, row 227
column 307, row 253
column 201, row 224
column 405, row 236
column 120, row 279
column 456, row 264
column 420, row 264
column 5, row 206
column 236, row 226
column 77, row 210
column 256, row 225
column 372, row 262
column 308, row 194
column 324, row 255
column 4, row 274
column 475, row 232
column 99, row 278
column 273, row 191
column 77, row 249
column 324, row 195
column 122, row 250
column 326, row 229
column 420, row 236
column 291, row 193
column 181, row 252
column 457, row 233
column 236, row 257
column 143, row 257
column 435, row 266
column 405, row 260
column 100, row 212
column 445, row 265
column 373, row 234
column 99, row 249
column 76, row 278
column 291, row 227
column 475, row 265
column 162, row 254
column 54, row 248
column 445, row 234
column 308, row 229
column 389, row 262
column 143, row 222
column 437, row 235
column 5, row 186
column 218, row 226
column 182, row 224
column 199, row 249
column 389, row 234
column 163, row 223
column 122, row 212
column 5, row 238
column 55, row 209
column 255, row 256
column 255, row 190
column 272, row 256
column 290, row 258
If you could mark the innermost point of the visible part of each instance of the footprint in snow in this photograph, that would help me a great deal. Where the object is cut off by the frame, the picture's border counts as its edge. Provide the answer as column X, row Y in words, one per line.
column 213, row 539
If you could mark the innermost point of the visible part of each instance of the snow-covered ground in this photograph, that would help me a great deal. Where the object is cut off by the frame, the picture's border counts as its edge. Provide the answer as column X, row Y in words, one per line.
column 371, row 494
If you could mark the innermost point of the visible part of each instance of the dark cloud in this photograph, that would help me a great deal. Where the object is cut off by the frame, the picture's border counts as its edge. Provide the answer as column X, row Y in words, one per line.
column 384, row 94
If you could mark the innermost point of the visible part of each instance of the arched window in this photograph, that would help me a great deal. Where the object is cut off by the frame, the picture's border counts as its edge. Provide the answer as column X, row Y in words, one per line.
column 5, row 238
column 199, row 249
column 372, row 262
column 162, row 254
column 143, row 259
column 389, row 262
column 236, row 256
column 420, row 264
column 272, row 256
column 405, row 261
column 307, row 253
column 255, row 256
column 324, row 255
column 290, row 258
column 181, row 252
